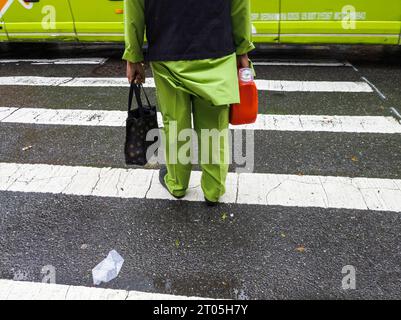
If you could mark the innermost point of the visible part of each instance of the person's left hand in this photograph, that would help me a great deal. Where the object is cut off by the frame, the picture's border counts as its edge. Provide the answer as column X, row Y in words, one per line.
column 243, row 61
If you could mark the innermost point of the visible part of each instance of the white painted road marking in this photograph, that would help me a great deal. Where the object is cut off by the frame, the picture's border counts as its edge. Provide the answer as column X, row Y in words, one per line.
column 23, row 290
column 76, row 117
column 313, row 86
column 97, row 61
column 302, row 63
column 263, row 85
column 33, row 81
column 244, row 188
column 345, row 124
column 73, row 61
column 375, row 88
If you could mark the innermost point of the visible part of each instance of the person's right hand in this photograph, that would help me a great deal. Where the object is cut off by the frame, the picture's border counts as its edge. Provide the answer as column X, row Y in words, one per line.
column 243, row 61
column 135, row 72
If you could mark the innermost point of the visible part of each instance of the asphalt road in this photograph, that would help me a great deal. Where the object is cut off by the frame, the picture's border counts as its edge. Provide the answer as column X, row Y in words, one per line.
column 185, row 248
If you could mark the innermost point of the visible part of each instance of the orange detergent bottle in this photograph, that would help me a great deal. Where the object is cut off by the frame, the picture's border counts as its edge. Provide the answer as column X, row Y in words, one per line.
column 246, row 111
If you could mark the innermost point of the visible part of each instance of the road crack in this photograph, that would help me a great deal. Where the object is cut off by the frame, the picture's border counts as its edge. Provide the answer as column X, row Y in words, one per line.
column 3, row 119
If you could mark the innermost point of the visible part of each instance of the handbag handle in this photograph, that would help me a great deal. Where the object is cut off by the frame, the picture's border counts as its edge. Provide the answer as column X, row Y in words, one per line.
column 137, row 88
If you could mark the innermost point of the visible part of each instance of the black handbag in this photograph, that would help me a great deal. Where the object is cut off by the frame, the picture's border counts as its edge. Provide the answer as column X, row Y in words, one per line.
column 139, row 122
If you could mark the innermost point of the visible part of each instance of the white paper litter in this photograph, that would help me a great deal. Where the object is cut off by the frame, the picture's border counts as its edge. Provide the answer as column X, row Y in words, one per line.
column 108, row 269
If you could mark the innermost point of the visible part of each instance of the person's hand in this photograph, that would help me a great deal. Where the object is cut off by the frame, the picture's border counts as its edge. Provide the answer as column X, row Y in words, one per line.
column 243, row 61
column 135, row 72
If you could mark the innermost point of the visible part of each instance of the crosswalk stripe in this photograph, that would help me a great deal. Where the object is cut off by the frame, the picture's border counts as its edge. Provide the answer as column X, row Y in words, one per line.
column 313, row 86
column 263, row 85
column 356, row 124
column 24, row 290
column 33, row 81
column 66, row 61
column 96, row 61
column 290, row 63
column 242, row 188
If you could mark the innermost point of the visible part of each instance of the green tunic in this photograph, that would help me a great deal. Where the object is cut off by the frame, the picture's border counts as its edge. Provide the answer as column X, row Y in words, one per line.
column 214, row 80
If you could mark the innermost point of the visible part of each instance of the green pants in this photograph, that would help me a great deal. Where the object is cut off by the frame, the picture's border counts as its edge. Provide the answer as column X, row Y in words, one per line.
column 176, row 104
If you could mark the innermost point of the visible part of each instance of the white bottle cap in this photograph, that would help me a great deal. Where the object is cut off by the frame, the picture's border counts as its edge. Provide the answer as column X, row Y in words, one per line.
column 246, row 75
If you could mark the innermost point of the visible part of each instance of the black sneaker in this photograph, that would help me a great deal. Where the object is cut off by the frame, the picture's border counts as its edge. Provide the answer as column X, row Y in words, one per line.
column 211, row 203
column 162, row 174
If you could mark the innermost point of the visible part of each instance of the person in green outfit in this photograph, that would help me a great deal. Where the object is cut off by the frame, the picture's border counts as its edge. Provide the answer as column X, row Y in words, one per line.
column 194, row 50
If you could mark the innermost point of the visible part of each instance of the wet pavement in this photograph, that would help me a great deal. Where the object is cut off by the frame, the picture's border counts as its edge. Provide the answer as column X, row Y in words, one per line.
column 234, row 251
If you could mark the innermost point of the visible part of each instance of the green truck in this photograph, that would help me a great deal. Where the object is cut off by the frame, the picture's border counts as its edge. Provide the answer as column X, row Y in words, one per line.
column 273, row 21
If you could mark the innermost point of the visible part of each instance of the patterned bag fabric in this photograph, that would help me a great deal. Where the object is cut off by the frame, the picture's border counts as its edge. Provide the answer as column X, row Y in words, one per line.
column 139, row 122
